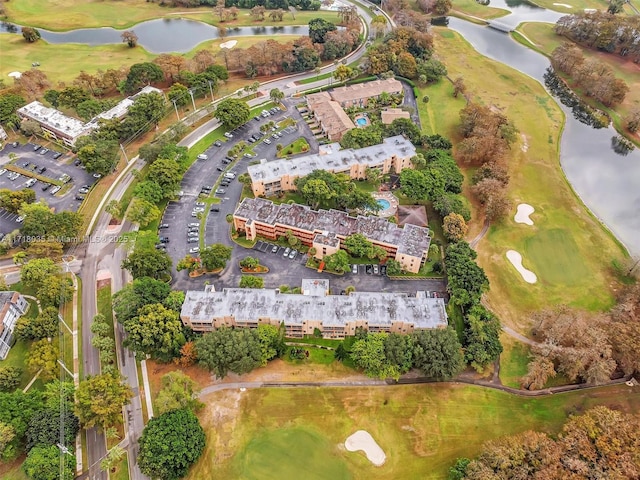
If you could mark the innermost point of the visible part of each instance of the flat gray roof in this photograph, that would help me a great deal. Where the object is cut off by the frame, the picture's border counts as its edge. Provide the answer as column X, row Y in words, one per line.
column 335, row 160
column 54, row 119
column 410, row 239
column 376, row 308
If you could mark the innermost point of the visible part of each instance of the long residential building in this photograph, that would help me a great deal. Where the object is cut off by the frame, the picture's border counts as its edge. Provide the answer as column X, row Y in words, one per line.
column 63, row 128
column 271, row 178
column 325, row 230
column 336, row 316
column 12, row 306
column 359, row 94
column 333, row 120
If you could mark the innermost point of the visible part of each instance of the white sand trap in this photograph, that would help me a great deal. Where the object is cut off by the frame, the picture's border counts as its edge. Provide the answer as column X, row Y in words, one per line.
column 229, row 44
column 523, row 212
column 563, row 5
column 516, row 259
column 525, row 143
column 362, row 440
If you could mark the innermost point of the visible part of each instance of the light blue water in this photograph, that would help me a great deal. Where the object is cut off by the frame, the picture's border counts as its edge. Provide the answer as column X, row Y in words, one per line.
column 384, row 204
column 362, row 122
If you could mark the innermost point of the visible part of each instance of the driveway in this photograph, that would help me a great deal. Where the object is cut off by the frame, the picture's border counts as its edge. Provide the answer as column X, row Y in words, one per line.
column 29, row 160
column 410, row 101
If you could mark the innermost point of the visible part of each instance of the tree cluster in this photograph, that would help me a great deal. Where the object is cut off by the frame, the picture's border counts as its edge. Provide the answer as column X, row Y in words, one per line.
column 148, row 262
column 601, row 443
column 322, row 189
column 46, row 279
column 99, row 400
column 607, row 343
column 403, row 51
column 488, row 136
column 178, row 392
column 103, row 342
column 239, row 350
column 595, row 78
column 603, row 31
column 330, row 42
column 437, row 353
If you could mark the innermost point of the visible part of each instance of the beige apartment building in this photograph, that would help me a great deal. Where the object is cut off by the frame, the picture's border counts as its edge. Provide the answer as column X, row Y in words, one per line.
column 336, row 316
column 358, row 95
column 333, row 120
column 277, row 176
column 325, row 230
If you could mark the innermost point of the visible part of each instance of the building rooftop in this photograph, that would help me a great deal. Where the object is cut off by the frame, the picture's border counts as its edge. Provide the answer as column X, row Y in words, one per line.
column 315, row 287
column 121, row 109
column 391, row 114
column 333, row 160
column 334, row 119
column 55, row 119
column 410, row 240
column 376, row 308
column 413, row 214
column 365, row 90
column 328, row 239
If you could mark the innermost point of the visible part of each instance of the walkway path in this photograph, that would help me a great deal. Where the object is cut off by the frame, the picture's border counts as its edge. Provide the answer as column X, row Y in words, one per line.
column 483, row 232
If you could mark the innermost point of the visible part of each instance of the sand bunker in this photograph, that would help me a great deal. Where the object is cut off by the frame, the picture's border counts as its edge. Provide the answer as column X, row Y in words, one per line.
column 523, row 212
column 563, row 5
column 362, row 440
column 229, row 44
column 516, row 259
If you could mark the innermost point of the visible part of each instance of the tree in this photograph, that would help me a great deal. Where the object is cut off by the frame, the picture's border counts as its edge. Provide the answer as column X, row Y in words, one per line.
column 337, row 262
column 454, row 227
column 276, row 95
column 437, row 353
column 215, row 256
column 357, row 245
column 318, row 29
column 44, row 428
column 43, row 358
column 9, row 378
column 167, row 173
column 13, row 201
column 633, row 120
column 272, row 342
column 114, row 455
column 467, row 281
column 422, row 185
column 481, row 338
column 142, row 212
column 43, row 463
column 452, row 203
column 459, row 87
column 225, row 350
column 398, row 351
column 249, row 262
column 7, row 435
column 156, row 331
column 115, row 209
column 178, row 94
column 100, row 156
column 404, row 126
column 17, row 409
column 130, row 38
column 232, row 113
column 141, row 74
column 615, row 6
column 459, row 469
column 9, row 103
column 316, row 192
column 45, row 325
column 148, row 263
column 539, row 370
column 393, row 267
column 251, row 281
column 178, row 392
column 143, row 291
column 170, row 444
column 368, row 354
column 432, row 69
column 99, row 400
column 442, row 7
column 31, row 35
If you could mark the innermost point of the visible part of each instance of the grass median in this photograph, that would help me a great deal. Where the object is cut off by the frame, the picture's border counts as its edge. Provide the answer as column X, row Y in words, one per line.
column 293, row 433
column 569, row 250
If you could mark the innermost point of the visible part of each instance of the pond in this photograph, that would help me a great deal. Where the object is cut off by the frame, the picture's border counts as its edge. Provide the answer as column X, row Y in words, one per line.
column 167, row 35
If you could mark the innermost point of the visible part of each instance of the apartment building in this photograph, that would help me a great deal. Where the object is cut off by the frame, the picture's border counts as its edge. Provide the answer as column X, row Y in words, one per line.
column 271, row 178
column 336, row 316
column 358, row 95
column 65, row 129
column 12, row 306
column 332, row 119
column 325, row 230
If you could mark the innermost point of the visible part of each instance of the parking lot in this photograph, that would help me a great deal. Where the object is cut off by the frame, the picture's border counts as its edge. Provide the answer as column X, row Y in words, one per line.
column 44, row 165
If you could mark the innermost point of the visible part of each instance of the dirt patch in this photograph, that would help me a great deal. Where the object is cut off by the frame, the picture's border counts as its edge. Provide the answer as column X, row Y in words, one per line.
column 103, row 283
column 156, row 370
column 219, row 418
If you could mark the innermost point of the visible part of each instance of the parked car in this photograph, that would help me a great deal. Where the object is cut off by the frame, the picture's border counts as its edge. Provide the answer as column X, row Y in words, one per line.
column 275, row 136
column 97, row 175
column 80, row 197
column 193, row 224
column 164, row 239
column 354, row 269
column 83, row 190
column 20, row 219
column 31, row 182
column 251, row 140
column 161, row 246
column 228, row 135
column 55, row 190
column 44, row 151
column 214, row 209
column 224, row 184
column 221, row 191
column 200, row 204
column 3, row 171
column 293, row 254
column 163, row 225
column 275, row 249
column 267, row 141
column 376, row 270
column 202, row 156
column 193, row 239
column 194, row 250
column 41, row 169
column 77, row 162
column 368, row 269
column 15, row 144
column 286, row 252
column 383, row 269
column 36, row 147
column 220, row 169
column 198, row 209
column 57, row 155
column 193, row 234
column 217, row 143
column 26, row 164
column 45, row 187
column 256, row 118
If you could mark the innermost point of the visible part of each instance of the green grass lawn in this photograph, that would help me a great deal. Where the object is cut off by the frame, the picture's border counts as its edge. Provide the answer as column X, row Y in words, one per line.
column 287, row 453
column 475, row 9
column 537, row 179
column 296, row 147
column 545, row 41
column 513, row 361
column 576, row 5
column 13, row 470
column 316, row 355
column 296, row 433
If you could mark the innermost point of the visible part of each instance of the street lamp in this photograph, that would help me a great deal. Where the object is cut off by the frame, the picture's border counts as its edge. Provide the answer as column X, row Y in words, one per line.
column 192, row 100
column 176, row 108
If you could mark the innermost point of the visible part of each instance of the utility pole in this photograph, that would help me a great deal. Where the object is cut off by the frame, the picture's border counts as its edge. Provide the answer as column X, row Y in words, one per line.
column 176, row 108
column 192, row 100
column 210, row 90
column 125, row 157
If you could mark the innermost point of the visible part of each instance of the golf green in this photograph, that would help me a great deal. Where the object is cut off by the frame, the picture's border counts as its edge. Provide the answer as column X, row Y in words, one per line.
column 554, row 257
column 291, row 454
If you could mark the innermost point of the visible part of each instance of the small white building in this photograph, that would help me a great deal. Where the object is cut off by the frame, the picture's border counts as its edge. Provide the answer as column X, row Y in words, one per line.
column 12, row 306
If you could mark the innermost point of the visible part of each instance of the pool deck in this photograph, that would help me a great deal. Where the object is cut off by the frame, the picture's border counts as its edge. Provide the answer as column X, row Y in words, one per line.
column 393, row 203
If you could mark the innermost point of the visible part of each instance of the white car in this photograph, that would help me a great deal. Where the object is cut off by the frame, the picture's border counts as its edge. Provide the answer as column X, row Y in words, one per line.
column 3, row 171
column 228, row 135
column 198, row 209
column 193, row 234
column 20, row 219
column 193, row 225
column 55, row 190
column 31, row 182
column 200, row 204
column 194, row 250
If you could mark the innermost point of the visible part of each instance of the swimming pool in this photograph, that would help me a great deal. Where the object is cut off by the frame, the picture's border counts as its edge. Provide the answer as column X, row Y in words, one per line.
column 362, row 121
column 384, row 204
